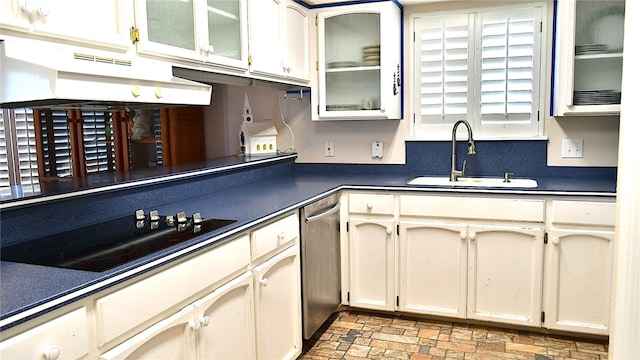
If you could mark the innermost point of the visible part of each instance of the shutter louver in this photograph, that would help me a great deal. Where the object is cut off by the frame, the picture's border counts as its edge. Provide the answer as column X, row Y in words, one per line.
column 18, row 155
column 443, row 64
column 98, row 141
column 507, row 67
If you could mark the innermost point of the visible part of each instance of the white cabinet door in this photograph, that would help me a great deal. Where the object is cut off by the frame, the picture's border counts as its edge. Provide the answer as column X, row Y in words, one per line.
column 433, row 268
column 278, row 306
column 209, row 31
column 505, row 274
column 588, row 69
column 372, row 264
column 171, row 338
column 266, row 42
column 279, row 38
column 226, row 321
column 96, row 22
column 359, row 67
column 578, row 280
column 296, row 38
column 66, row 336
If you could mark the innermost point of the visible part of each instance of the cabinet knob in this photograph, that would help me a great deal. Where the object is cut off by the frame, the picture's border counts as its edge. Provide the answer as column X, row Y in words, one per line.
column 369, row 206
column 263, row 281
column 52, row 353
column 205, row 320
column 196, row 325
column 44, row 11
column 472, row 235
column 281, row 235
column 555, row 240
column 463, row 235
column 27, row 7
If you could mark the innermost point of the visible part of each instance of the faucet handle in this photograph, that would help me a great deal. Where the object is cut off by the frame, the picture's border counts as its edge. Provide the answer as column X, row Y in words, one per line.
column 507, row 177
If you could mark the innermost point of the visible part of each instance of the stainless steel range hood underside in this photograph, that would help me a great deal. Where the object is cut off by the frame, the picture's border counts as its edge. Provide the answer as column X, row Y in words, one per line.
column 36, row 75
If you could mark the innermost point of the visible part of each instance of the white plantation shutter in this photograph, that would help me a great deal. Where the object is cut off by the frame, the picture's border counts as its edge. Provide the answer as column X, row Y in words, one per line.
column 99, row 149
column 509, row 67
column 483, row 67
column 443, row 59
column 56, row 143
column 18, row 159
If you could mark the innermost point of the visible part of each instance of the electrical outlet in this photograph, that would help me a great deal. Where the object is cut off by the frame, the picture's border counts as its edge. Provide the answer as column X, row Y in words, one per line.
column 328, row 149
column 572, row 148
column 377, row 149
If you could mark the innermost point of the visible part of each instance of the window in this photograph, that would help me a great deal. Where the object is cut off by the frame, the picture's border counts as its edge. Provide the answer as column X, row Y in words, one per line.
column 480, row 66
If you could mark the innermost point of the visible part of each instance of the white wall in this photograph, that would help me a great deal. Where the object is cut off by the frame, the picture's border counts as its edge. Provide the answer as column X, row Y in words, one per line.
column 352, row 139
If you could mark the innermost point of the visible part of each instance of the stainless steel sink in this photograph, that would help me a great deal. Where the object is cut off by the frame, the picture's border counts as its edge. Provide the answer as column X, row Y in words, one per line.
column 489, row 182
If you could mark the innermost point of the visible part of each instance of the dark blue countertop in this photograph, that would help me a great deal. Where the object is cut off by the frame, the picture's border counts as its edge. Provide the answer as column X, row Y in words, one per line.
column 27, row 291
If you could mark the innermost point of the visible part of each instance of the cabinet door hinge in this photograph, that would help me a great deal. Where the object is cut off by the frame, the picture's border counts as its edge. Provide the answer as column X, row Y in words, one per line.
column 316, row 20
column 317, row 66
column 542, row 316
column 398, row 229
column 318, row 112
column 398, row 301
column 250, row 60
column 347, row 226
column 546, row 238
column 134, row 34
column 348, row 296
column 540, row 26
column 538, row 115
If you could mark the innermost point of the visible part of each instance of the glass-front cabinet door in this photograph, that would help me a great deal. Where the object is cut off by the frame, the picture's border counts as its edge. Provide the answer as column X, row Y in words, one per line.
column 210, row 31
column 589, row 42
column 359, row 69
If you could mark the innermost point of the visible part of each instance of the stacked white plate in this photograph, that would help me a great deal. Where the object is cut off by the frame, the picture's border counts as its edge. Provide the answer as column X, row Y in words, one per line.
column 371, row 55
column 596, row 97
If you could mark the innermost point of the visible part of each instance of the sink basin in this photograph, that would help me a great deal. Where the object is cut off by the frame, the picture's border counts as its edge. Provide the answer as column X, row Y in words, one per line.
column 473, row 182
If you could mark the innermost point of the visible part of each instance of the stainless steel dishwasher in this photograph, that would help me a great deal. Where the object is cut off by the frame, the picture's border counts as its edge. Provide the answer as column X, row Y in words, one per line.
column 320, row 251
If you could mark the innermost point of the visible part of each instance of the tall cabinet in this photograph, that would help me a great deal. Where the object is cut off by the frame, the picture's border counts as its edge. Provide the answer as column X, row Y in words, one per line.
column 359, row 69
column 588, row 68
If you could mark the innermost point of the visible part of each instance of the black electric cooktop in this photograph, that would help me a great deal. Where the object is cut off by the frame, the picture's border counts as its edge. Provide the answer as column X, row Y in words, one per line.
column 105, row 245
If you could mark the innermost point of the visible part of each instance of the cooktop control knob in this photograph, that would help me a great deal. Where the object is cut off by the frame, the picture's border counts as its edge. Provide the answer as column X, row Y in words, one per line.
column 139, row 218
column 196, row 219
column 154, row 218
column 181, row 218
column 169, row 220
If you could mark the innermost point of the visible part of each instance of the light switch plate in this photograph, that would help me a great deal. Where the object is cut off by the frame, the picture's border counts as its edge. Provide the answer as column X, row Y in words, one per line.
column 572, row 148
column 377, row 149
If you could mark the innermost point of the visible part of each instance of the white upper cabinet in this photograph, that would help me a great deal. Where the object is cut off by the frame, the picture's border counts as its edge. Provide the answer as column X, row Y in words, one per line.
column 588, row 69
column 279, row 39
column 359, row 67
column 96, row 22
column 206, row 31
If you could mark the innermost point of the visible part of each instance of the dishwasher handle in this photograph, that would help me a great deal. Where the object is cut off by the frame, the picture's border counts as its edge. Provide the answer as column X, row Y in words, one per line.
column 315, row 217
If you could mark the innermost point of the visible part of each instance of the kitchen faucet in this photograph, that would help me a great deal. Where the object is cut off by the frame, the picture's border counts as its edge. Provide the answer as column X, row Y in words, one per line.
column 455, row 174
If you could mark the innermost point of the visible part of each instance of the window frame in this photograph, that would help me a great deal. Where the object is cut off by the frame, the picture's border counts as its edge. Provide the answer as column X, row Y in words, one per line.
column 442, row 131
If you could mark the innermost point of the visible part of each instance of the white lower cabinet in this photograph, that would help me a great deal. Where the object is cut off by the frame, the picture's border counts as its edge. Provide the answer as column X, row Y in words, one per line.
column 433, row 268
column 579, row 265
column 278, row 307
column 505, row 274
column 200, row 330
column 372, row 259
column 65, row 337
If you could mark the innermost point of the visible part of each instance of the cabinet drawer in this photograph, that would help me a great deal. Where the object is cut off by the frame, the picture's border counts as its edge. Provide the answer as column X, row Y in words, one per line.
column 67, row 335
column 583, row 212
column 274, row 236
column 472, row 208
column 130, row 307
column 371, row 204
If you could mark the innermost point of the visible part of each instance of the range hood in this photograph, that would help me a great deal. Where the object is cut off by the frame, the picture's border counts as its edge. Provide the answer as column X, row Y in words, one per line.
column 37, row 75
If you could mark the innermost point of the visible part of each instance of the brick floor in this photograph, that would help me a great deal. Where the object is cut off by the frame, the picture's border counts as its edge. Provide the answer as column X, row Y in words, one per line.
column 358, row 335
